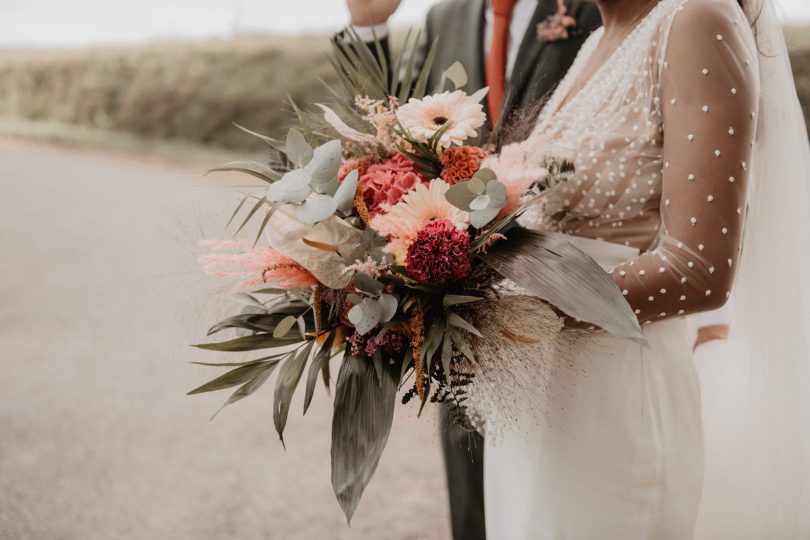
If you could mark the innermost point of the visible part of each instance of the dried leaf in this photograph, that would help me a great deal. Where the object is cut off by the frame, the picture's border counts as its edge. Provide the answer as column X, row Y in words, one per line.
column 550, row 267
column 364, row 411
column 288, row 376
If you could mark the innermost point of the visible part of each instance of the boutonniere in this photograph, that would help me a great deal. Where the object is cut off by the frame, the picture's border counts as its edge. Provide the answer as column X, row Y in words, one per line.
column 556, row 26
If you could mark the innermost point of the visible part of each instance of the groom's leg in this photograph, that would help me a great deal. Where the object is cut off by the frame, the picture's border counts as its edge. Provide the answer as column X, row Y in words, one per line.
column 464, row 462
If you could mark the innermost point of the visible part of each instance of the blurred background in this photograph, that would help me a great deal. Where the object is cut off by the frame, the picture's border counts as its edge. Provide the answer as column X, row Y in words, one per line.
column 124, row 73
column 109, row 113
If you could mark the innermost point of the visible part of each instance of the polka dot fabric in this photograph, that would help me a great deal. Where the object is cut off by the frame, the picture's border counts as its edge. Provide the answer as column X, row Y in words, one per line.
column 662, row 138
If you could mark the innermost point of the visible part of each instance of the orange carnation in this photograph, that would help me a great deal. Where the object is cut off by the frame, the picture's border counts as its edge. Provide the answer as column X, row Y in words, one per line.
column 461, row 163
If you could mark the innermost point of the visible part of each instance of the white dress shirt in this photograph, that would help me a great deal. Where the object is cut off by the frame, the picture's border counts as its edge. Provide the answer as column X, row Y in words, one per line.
column 522, row 14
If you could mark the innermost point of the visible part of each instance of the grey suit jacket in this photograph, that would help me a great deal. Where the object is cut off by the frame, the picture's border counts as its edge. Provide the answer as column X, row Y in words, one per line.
column 458, row 28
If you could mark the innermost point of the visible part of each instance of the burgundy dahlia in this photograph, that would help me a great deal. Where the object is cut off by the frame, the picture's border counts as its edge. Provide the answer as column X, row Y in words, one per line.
column 439, row 254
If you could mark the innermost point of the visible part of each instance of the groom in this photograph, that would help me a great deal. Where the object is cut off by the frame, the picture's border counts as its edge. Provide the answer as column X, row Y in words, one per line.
column 520, row 49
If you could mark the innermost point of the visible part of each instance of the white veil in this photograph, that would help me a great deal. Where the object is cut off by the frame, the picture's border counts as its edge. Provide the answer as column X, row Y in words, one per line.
column 758, row 433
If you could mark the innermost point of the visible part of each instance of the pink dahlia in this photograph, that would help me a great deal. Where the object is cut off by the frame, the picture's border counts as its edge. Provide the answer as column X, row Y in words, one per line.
column 440, row 253
column 388, row 181
column 361, row 163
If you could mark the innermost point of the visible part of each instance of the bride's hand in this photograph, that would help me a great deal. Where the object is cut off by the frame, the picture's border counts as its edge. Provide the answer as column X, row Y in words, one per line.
column 710, row 333
column 371, row 12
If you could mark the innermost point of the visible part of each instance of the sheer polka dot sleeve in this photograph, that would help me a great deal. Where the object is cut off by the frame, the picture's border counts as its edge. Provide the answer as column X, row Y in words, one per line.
column 708, row 94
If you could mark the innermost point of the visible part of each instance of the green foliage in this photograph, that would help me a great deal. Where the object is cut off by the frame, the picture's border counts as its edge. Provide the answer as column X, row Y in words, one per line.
column 364, row 411
column 550, row 267
column 190, row 93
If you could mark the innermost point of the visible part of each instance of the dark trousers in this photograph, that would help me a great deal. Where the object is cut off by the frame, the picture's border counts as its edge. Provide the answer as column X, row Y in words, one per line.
column 464, row 463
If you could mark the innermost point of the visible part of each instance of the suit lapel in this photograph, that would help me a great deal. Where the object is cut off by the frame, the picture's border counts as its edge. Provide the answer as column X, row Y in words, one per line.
column 474, row 47
column 528, row 52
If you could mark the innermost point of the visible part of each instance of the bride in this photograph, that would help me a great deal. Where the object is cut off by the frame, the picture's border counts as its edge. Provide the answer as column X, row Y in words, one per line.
column 684, row 125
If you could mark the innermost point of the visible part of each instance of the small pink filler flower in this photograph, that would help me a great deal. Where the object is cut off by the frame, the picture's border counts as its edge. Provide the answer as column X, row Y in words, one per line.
column 440, row 253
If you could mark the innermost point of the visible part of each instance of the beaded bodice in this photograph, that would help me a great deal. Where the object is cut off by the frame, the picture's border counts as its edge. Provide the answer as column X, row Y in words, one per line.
column 661, row 136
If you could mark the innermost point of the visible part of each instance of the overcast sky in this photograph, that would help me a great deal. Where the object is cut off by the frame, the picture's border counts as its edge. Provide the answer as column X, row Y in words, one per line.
column 92, row 22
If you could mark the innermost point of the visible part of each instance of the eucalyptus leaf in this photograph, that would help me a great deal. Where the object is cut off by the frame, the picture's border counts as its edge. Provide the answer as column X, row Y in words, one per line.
column 485, row 174
column 316, row 208
column 292, row 188
column 497, row 193
column 481, row 218
column 361, row 423
column 365, row 315
column 550, row 267
column 344, row 195
column 460, row 196
column 288, row 376
column 476, row 185
column 297, row 149
column 326, row 188
column 325, row 162
column 457, row 74
column 481, row 202
column 388, row 304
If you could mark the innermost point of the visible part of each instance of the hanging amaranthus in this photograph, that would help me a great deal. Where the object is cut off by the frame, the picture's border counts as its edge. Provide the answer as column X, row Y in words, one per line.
column 416, row 328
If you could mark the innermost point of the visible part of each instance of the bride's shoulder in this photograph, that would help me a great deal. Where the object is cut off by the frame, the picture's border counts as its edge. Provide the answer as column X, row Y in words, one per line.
column 694, row 15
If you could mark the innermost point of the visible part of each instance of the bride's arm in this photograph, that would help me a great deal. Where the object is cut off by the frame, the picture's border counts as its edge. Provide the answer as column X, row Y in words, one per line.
column 709, row 91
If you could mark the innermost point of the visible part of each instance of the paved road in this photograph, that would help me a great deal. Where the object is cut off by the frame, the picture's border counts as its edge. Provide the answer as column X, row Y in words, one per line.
column 99, row 294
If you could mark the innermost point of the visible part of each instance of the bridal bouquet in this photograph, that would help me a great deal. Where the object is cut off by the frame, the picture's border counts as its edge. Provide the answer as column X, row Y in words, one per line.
column 383, row 238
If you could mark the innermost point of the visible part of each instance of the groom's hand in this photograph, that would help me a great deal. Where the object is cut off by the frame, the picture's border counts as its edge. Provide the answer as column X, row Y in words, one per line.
column 371, row 12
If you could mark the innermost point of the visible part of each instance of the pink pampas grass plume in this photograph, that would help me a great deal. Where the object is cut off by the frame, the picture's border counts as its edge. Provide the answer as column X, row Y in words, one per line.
column 254, row 266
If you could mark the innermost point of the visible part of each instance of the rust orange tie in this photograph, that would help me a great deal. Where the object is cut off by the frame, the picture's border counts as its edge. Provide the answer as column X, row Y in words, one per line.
column 496, row 61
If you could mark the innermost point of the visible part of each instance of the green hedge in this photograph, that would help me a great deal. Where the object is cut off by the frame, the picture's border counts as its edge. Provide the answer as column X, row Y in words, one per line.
column 185, row 93
column 188, row 93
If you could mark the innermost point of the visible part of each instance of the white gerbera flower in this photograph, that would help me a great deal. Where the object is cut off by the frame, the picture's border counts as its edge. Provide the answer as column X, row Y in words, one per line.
column 424, row 117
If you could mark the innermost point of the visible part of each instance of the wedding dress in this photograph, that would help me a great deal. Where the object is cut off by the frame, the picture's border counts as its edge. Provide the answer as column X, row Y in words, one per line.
column 662, row 136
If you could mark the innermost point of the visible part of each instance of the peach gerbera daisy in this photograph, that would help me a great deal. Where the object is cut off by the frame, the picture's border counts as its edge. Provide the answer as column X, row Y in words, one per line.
column 401, row 222
column 424, row 117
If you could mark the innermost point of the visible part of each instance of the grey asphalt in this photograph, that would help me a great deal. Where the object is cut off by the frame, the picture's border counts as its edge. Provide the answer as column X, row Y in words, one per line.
column 100, row 295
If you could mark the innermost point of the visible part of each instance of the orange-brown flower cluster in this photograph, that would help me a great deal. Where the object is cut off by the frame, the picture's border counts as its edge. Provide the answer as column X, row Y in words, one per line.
column 416, row 329
column 461, row 163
